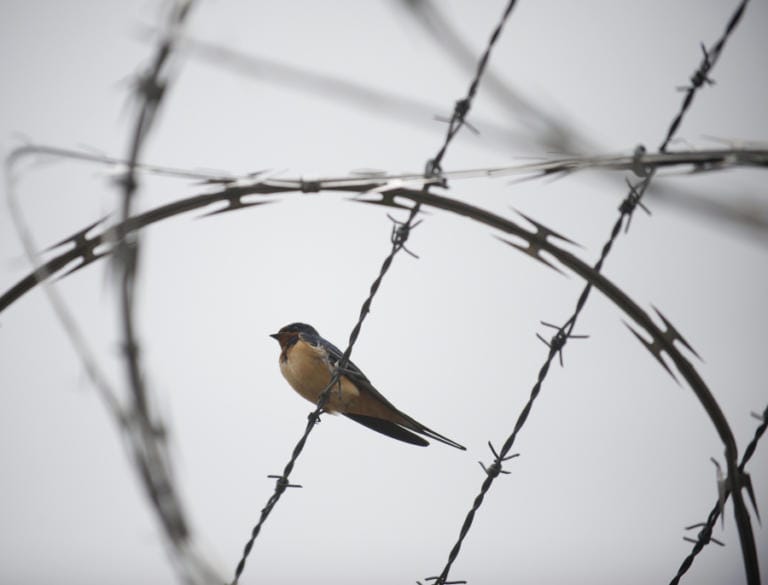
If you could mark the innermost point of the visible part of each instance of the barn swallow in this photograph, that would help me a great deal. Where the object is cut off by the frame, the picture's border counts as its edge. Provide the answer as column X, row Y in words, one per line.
column 307, row 362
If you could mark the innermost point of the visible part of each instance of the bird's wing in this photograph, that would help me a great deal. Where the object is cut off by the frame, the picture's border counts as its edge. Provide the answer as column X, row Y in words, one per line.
column 390, row 428
column 351, row 371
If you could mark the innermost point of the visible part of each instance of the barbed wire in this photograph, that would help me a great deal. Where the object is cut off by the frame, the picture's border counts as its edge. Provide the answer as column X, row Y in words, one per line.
column 699, row 160
column 538, row 242
column 701, row 76
column 544, row 128
column 84, row 249
column 704, row 537
column 150, row 90
column 399, row 237
column 142, row 431
column 400, row 233
column 461, row 108
column 565, row 332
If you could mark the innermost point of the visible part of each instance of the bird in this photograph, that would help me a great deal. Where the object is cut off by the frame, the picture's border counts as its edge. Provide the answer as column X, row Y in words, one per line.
column 307, row 362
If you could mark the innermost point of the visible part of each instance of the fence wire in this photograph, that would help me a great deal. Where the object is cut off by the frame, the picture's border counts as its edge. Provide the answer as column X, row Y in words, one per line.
column 399, row 237
column 145, row 432
column 565, row 332
column 704, row 536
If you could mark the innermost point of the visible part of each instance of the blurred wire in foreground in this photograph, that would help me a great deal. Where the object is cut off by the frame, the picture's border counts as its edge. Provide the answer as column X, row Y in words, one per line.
column 143, row 432
column 398, row 107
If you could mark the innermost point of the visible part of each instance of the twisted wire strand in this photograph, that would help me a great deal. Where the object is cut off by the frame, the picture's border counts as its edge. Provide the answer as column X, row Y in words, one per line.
column 626, row 209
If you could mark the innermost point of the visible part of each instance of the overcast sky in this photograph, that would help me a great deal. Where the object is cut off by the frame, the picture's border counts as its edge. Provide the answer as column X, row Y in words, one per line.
column 615, row 457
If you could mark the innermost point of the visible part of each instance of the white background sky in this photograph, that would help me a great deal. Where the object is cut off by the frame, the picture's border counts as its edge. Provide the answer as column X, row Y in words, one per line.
column 615, row 456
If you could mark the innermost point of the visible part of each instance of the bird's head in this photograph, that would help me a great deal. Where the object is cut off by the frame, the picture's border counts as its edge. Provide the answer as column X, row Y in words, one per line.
column 290, row 333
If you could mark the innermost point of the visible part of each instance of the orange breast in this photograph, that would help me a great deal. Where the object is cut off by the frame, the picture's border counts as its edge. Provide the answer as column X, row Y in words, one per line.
column 307, row 370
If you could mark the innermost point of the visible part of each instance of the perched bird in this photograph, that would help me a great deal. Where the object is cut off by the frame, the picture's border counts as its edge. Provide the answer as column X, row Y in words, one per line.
column 307, row 362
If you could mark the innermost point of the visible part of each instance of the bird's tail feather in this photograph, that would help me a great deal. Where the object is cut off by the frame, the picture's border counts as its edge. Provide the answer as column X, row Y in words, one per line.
column 396, row 431
column 388, row 428
column 438, row 437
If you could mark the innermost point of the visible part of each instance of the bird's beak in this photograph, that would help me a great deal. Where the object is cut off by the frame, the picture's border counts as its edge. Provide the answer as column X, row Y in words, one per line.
column 275, row 336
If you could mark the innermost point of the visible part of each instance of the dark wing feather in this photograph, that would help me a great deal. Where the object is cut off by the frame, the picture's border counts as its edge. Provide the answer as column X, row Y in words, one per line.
column 354, row 373
column 388, row 428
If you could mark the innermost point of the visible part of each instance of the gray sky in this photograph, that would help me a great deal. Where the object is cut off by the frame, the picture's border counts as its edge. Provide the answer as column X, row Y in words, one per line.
column 615, row 457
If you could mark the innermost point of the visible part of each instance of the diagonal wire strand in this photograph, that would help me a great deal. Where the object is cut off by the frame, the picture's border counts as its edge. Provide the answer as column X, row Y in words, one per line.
column 705, row 534
column 626, row 209
column 550, row 132
column 400, row 235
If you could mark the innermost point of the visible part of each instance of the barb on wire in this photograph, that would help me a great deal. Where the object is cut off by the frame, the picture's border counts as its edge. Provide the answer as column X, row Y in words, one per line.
column 559, row 339
column 547, row 130
column 401, row 231
column 704, row 536
column 462, row 107
column 701, row 75
column 496, row 467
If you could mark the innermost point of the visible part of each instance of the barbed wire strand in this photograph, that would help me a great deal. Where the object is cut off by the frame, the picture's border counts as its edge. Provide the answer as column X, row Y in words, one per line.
column 399, row 237
column 544, row 128
column 146, row 431
column 400, row 233
column 81, row 246
column 699, row 160
column 701, row 76
column 150, row 90
column 556, row 347
column 704, row 536
column 462, row 107
column 559, row 340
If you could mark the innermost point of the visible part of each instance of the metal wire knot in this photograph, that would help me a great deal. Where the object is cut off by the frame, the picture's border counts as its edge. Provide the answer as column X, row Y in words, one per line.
column 495, row 468
column 401, row 230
